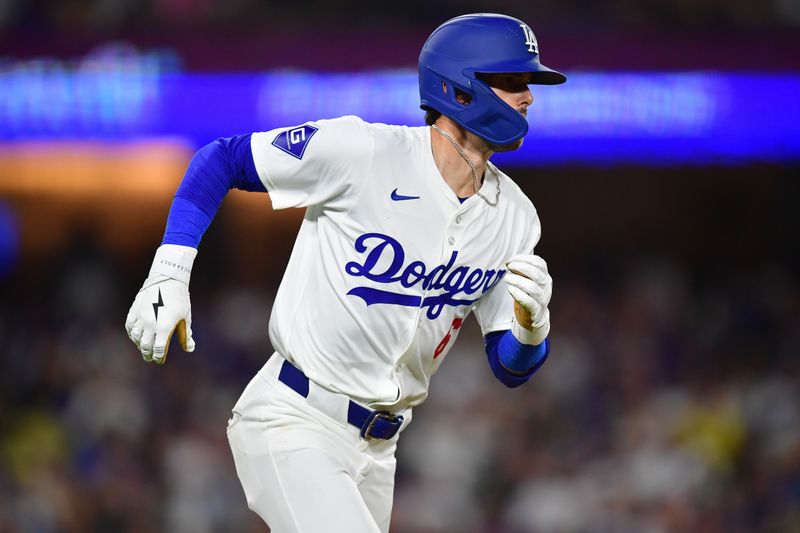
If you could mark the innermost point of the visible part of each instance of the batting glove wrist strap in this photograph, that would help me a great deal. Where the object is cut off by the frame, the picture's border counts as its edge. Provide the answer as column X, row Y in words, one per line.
column 534, row 336
column 173, row 261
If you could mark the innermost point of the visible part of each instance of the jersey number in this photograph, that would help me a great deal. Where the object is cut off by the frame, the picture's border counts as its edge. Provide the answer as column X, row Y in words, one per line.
column 446, row 340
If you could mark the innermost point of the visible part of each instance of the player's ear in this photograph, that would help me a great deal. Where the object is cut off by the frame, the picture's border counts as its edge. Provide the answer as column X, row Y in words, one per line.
column 463, row 98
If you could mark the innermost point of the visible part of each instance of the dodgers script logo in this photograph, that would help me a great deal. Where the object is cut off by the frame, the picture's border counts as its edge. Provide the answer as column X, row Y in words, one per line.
column 462, row 280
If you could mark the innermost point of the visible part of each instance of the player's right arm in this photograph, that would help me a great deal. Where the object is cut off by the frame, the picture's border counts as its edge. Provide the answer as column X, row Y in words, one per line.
column 301, row 166
column 162, row 305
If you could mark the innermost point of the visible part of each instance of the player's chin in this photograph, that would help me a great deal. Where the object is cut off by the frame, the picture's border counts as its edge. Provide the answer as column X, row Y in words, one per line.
column 505, row 147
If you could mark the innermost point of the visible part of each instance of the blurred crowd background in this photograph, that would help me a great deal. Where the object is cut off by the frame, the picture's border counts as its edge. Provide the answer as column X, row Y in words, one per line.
column 671, row 399
column 255, row 15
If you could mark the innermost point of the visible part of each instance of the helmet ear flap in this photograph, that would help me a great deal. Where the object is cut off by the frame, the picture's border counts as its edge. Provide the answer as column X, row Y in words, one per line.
column 474, row 106
column 461, row 96
column 458, row 94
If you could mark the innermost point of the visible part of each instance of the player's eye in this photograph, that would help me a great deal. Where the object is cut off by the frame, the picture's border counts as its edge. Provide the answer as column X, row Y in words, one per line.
column 514, row 83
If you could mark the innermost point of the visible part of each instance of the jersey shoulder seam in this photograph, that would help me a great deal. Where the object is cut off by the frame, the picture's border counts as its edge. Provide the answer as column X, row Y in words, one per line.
column 370, row 158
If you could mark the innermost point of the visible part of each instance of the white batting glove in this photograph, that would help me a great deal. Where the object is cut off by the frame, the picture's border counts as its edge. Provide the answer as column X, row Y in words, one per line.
column 162, row 305
column 531, row 286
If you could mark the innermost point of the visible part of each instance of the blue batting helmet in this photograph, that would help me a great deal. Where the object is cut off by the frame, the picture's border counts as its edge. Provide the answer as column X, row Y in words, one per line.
column 485, row 43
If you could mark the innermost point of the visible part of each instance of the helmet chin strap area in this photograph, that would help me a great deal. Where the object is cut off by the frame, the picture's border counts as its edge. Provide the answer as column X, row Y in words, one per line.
column 476, row 182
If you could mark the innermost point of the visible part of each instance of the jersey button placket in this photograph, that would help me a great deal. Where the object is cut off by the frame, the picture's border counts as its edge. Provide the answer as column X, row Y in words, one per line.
column 455, row 229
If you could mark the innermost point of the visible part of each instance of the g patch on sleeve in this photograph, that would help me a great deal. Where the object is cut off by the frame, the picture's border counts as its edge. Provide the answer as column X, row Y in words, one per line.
column 294, row 141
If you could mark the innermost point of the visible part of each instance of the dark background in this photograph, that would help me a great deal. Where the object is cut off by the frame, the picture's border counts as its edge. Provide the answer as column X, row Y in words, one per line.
column 671, row 400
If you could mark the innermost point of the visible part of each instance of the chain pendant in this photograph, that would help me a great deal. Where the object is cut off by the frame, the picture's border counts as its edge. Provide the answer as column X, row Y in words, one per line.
column 463, row 154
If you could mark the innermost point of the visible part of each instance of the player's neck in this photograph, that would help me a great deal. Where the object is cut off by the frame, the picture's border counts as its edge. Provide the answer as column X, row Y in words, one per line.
column 452, row 166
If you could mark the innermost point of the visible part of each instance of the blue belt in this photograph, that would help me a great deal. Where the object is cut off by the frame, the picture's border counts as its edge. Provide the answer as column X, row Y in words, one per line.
column 373, row 424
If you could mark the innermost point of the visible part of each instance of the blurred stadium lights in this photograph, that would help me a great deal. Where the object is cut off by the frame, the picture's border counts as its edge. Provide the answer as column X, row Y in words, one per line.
column 654, row 118
column 93, row 169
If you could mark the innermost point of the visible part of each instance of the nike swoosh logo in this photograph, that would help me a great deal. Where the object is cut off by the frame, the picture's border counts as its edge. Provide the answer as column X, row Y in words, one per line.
column 400, row 197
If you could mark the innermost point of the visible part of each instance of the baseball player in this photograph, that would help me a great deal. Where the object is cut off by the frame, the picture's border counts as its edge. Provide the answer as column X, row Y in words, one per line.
column 407, row 231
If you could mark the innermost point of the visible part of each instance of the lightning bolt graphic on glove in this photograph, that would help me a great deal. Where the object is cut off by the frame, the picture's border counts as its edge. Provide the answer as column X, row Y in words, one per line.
column 159, row 303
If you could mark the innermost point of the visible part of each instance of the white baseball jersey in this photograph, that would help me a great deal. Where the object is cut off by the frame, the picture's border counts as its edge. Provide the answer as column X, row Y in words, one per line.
column 388, row 262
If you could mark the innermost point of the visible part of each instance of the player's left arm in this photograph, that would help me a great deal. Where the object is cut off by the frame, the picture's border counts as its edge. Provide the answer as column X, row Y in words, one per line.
column 516, row 354
column 516, row 322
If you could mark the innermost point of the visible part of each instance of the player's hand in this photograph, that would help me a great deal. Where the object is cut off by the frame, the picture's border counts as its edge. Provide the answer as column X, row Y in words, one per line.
column 531, row 287
column 162, row 306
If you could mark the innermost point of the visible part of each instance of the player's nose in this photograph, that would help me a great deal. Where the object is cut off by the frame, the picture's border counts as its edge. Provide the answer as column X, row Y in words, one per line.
column 524, row 100
column 527, row 97
column 525, row 104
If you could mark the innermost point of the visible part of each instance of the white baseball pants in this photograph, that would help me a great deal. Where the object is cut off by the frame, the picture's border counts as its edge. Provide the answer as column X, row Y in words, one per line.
column 303, row 470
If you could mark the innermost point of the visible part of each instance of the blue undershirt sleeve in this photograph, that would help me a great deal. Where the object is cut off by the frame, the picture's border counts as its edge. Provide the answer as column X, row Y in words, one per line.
column 512, row 362
column 215, row 169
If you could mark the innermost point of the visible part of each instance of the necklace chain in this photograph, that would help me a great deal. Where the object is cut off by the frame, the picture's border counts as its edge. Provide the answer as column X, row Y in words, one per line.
column 463, row 154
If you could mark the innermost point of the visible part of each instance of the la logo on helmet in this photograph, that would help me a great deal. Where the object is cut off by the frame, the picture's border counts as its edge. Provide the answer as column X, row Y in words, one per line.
column 530, row 39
